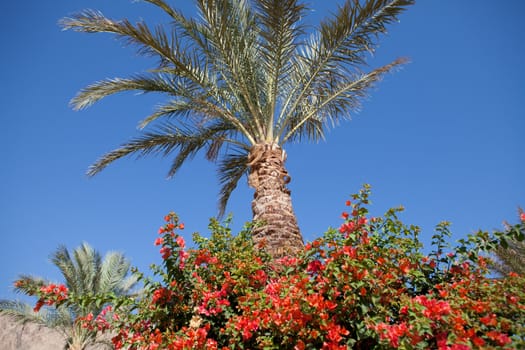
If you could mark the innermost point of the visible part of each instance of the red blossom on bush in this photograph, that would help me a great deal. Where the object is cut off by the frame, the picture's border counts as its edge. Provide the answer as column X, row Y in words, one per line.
column 51, row 294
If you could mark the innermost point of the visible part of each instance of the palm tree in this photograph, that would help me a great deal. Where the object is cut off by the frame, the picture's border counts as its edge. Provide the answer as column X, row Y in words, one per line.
column 86, row 273
column 510, row 257
column 243, row 79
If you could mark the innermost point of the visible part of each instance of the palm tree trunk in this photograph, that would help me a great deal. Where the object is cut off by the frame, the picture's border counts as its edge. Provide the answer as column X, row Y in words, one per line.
column 276, row 227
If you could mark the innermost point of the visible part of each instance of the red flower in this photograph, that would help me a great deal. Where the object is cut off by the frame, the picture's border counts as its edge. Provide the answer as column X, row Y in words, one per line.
column 500, row 338
column 38, row 305
column 522, row 217
column 314, row 266
column 180, row 241
column 404, row 266
column 335, row 333
column 477, row 341
column 159, row 241
column 404, row 310
column 459, row 347
column 392, row 332
column 165, row 252
column 183, row 255
column 489, row 320
column 435, row 309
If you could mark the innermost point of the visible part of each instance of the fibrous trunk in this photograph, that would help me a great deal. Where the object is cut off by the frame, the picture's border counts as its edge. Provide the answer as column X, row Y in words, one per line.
column 276, row 227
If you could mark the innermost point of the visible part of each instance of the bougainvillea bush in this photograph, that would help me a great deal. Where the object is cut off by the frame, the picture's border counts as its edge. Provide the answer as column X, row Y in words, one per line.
column 364, row 285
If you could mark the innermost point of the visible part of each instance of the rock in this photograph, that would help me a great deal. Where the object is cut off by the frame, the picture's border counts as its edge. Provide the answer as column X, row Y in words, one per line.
column 15, row 335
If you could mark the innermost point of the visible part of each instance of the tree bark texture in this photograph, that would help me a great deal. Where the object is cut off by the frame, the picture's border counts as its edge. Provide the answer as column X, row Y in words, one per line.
column 276, row 227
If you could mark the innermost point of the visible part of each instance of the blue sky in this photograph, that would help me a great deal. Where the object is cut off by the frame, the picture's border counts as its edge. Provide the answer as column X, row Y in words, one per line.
column 444, row 136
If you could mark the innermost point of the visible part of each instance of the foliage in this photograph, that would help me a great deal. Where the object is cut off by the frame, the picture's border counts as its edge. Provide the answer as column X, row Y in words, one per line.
column 511, row 256
column 243, row 73
column 365, row 285
column 86, row 275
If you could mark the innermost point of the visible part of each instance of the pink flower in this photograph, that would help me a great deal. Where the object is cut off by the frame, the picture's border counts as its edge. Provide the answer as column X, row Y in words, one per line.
column 315, row 266
column 165, row 252
column 180, row 242
column 183, row 255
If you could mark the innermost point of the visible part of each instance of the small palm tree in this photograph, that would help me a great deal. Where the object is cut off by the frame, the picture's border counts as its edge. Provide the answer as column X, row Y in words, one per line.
column 242, row 80
column 511, row 257
column 85, row 273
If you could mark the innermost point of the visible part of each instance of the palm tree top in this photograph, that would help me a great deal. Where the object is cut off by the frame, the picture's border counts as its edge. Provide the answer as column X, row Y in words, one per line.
column 241, row 74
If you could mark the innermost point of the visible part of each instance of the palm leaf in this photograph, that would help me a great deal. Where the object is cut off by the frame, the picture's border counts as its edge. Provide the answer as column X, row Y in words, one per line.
column 279, row 32
column 113, row 271
column 166, row 140
column 230, row 171
column 333, row 100
column 28, row 284
column 88, row 262
column 61, row 259
column 231, row 35
column 153, row 83
column 336, row 49
column 23, row 312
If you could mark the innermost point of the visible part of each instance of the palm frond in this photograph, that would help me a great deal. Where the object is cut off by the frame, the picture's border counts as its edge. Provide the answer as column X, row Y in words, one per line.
column 23, row 312
column 129, row 285
column 511, row 258
column 354, row 30
column 164, row 141
column 231, row 168
column 337, row 48
column 28, row 284
column 232, row 51
column 61, row 259
column 185, row 67
column 88, row 263
column 155, row 42
column 334, row 100
column 169, row 50
column 113, row 272
column 212, row 136
column 20, row 311
column 196, row 107
column 280, row 30
column 152, row 83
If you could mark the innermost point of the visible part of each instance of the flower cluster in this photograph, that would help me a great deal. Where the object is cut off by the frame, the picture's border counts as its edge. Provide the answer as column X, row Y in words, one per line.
column 51, row 294
column 364, row 285
column 99, row 323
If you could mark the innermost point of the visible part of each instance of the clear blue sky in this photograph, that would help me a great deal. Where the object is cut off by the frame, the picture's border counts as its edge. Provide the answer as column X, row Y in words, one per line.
column 444, row 136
